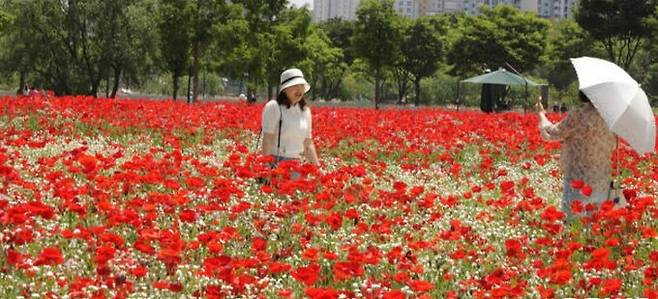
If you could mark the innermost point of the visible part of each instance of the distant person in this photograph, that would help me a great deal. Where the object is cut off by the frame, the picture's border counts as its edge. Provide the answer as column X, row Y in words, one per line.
column 563, row 107
column 33, row 92
column 22, row 91
column 252, row 98
column 242, row 98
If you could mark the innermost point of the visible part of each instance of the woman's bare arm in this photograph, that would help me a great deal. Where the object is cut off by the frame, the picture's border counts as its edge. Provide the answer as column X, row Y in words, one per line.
column 309, row 152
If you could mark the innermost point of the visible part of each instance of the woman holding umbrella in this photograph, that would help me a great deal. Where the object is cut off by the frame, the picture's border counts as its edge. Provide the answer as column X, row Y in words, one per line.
column 614, row 105
column 587, row 146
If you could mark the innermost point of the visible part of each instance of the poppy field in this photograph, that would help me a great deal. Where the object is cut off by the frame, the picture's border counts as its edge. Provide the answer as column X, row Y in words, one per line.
column 103, row 198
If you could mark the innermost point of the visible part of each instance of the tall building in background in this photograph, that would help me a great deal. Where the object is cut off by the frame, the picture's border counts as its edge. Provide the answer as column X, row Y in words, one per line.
column 408, row 8
column 346, row 9
column 529, row 5
column 329, row 9
column 473, row 6
column 559, row 9
column 434, row 7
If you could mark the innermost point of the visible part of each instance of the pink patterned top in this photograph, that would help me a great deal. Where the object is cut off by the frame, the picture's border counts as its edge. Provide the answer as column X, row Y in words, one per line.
column 587, row 146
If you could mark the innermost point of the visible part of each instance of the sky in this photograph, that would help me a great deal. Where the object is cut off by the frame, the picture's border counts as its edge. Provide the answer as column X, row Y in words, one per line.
column 299, row 3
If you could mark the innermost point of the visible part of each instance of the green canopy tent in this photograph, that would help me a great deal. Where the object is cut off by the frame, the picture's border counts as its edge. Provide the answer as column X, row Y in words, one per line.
column 494, row 86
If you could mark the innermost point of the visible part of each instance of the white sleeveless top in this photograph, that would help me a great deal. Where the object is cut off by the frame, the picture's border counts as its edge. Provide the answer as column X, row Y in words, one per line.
column 296, row 127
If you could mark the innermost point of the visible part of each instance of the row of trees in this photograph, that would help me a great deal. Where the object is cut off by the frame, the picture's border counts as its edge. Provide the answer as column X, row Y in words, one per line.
column 81, row 46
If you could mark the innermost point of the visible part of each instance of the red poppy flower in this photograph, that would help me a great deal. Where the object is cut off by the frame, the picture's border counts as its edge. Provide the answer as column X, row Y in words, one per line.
column 552, row 214
column 421, row 286
column 49, row 256
column 347, row 270
column 395, row 294
column 258, row 244
column 307, row 275
column 188, row 216
column 577, row 183
column 586, row 190
column 514, row 249
column 139, row 271
column 322, row 293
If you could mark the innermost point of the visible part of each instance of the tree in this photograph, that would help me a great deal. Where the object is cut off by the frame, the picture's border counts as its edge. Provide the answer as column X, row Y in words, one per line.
column 228, row 46
column 422, row 50
column 30, row 27
column 73, row 41
column 377, row 39
column 340, row 33
column 205, row 14
column 139, row 42
column 324, row 64
column 620, row 25
column 399, row 72
column 288, row 49
column 127, row 41
column 175, row 38
column 498, row 36
column 256, row 53
column 650, row 65
column 568, row 40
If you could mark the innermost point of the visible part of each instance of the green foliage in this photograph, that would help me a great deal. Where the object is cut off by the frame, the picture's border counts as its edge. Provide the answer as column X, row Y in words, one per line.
column 254, row 57
column 324, row 64
column 340, row 33
column 130, row 46
column 440, row 89
column 377, row 38
column 206, row 15
column 288, row 49
column 422, row 51
column 5, row 19
column 94, row 46
column 500, row 35
column 79, row 43
column 567, row 40
column 620, row 25
column 356, row 87
column 650, row 82
column 229, row 43
column 174, row 24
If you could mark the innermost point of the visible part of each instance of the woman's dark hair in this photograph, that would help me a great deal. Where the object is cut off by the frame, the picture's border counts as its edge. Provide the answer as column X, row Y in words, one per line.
column 583, row 97
column 283, row 99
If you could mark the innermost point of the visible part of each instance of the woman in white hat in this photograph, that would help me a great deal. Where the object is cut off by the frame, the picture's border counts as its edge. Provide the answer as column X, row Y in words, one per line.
column 287, row 123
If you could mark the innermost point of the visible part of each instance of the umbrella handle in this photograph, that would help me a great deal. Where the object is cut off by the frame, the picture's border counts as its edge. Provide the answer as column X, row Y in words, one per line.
column 617, row 170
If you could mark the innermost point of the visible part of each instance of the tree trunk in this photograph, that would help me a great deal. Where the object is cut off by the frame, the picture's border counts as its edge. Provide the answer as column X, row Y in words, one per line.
column 115, row 85
column 22, row 83
column 203, row 90
column 377, row 90
column 195, row 71
column 107, row 85
column 94, row 86
column 335, row 89
column 189, row 86
column 175, row 79
column 402, row 90
column 417, row 87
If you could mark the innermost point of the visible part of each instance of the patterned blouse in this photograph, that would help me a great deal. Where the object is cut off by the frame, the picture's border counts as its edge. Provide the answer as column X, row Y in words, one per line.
column 587, row 146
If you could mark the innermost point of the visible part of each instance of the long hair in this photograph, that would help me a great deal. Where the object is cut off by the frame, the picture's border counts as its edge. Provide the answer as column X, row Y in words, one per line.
column 283, row 99
column 583, row 97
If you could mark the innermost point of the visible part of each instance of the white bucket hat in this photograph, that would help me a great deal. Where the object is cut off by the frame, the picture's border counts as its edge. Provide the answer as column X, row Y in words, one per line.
column 292, row 77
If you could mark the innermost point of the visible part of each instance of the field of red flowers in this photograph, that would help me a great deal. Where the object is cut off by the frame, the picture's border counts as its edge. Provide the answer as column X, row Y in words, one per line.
column 104, row 198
